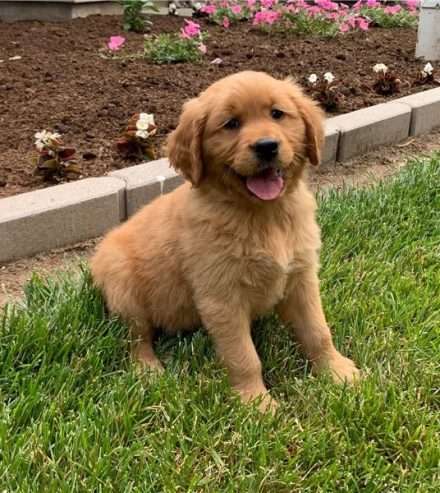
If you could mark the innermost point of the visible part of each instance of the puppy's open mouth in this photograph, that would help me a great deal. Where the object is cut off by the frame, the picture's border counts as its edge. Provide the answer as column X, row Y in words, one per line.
column 266, row 185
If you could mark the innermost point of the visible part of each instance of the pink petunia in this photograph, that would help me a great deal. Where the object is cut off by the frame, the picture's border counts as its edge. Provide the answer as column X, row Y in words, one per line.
column 267, row 4
column 412, row 4
column 190, row 30
column 226, row 23
column 344, row 28
column 392, row 10
column 372, row 4
column 115, row 43
column 265, row 17
column 236, row 9
column 209, row 9
column 362, row 23
column 315, row 10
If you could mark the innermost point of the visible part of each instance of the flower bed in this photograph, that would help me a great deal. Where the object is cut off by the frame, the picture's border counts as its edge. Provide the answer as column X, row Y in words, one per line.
column 53, row 78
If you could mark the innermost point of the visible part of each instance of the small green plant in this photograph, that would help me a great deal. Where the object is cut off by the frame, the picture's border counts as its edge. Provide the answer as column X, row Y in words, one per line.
column 170, row 48
column 54, row 162
column 303, row 23
column 133, row 18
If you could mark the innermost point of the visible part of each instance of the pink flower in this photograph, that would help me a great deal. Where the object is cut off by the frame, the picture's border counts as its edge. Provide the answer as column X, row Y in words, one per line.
column 412, row 4
column 202, row 48
column 209, row 9
column 344, row 28
column 115, row 43
column 333, row 16
column 265, row 17
column 392, row 10
column 226, row 23
column 327, row 4
column 372, row 4
column 268, row 3
column 236, row 9
column 191, row 30
column 357, row 5
column 362, row 23
column 315, row 10
column 251, row 3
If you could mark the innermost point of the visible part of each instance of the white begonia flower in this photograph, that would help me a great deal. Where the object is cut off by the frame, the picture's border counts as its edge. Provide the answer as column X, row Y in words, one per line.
column 428, row 69
column 45, row 138
column 380, row 67
column 313, row 79
column 142, row 134
column 145, row 121
column 329, row 77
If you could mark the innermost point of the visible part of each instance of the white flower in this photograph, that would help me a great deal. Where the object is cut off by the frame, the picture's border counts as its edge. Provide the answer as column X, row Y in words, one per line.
column 380, row 67
column 329, row 77
column 427, row 69
column 313, row 79
column 145, row 121
column 142, row 134
column 44, row 139
column 172, row 8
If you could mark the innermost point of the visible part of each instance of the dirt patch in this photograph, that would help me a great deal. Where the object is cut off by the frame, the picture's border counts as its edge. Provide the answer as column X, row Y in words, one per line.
column 61, row 83
column 357, row 172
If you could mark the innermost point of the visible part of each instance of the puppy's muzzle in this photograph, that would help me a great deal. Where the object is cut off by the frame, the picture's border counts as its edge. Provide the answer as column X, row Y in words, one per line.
column 266, row 149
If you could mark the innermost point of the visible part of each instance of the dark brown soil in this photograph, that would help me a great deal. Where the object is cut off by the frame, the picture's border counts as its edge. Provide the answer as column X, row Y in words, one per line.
column 61, row 83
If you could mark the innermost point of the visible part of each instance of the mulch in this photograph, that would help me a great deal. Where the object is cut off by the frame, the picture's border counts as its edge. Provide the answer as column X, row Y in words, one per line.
column 62, row 84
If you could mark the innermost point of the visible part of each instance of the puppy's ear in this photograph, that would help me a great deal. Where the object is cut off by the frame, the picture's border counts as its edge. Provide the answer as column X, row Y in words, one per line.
column 184, row 145
column 313, row 118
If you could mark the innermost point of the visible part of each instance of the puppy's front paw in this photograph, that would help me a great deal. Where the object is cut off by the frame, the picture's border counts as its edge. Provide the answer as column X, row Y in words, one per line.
column 266, row 404
column 342, row 369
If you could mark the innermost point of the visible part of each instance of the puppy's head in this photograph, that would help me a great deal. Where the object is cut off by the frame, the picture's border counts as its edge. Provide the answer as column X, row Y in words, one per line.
column 247, row 133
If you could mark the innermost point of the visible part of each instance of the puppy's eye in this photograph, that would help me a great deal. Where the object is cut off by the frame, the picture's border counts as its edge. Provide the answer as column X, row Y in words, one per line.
column 277, row 114
column 232, row 124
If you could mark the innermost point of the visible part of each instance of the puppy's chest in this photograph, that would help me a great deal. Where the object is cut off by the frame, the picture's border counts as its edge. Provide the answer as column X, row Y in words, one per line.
column 264, row 273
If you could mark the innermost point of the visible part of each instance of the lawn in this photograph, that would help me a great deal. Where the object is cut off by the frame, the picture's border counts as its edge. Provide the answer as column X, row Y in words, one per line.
column 75, row 417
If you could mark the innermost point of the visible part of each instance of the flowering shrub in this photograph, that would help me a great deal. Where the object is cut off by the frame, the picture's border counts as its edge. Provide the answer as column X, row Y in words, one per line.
column 188, row 46
column 134, row 143
column 54, row 161
column 133, row 18
column 325, row 91
column 388, row 16
column 386, row 82
column 225, row 13
column 323, row 17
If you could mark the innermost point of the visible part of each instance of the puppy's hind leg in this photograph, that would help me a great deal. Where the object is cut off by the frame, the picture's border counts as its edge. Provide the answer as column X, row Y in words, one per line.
column 142, row 351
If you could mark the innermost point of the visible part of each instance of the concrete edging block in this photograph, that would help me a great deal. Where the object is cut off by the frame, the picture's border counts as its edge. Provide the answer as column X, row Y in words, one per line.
column 364, row 130
column 38, row 221
column 331, row 145
column 425, row 111
column 147, row 181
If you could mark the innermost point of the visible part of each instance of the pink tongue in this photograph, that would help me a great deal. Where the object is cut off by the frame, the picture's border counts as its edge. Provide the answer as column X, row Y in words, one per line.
column 266, row 186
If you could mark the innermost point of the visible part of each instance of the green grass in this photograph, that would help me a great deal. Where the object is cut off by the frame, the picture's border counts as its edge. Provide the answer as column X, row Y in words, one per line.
column 75, row 417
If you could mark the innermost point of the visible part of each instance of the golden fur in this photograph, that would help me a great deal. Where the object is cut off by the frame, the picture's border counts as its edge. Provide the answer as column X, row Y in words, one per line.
column 211, row 252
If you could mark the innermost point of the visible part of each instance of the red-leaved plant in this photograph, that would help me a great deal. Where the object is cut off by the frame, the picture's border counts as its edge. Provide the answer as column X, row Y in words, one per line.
column 135, row 141
column 55, row 161
column 386, row 82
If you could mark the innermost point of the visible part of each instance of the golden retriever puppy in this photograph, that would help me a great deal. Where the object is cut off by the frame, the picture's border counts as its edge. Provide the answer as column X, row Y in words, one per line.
column 237, row 241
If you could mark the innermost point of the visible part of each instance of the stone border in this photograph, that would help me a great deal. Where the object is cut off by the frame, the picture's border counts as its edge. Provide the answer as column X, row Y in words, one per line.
column 65, row 214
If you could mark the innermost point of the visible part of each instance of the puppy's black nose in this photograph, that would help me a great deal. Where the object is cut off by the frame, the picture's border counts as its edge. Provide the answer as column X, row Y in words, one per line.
column 266, row 148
